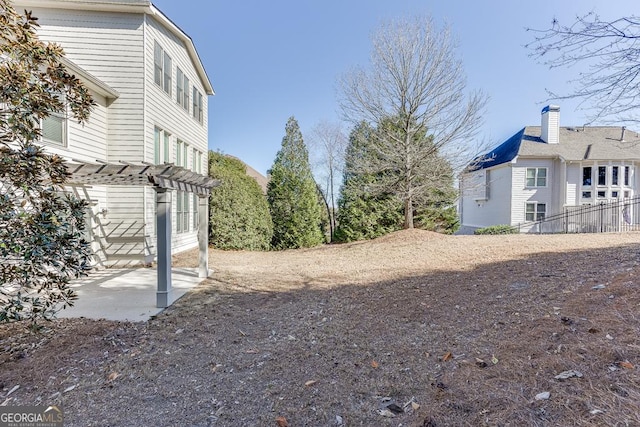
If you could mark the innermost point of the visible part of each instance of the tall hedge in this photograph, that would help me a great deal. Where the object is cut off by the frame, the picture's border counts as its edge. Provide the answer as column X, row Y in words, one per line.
column 239, row 213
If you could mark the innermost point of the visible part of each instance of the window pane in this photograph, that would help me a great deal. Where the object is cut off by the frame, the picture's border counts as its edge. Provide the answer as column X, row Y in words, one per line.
column 586, row 194
column 614, row 194
column 178, row 153
column 586, row 176
column 185, row 86
column 156, row 145
column 167, row 73
column 179, row 88
column 157, row 63
column 602, row 194
column 541, row 208
column 614, row 175
column 531, row 177
column 626, row 175
column 602, row 175
column 167, row 137
column 53, row 129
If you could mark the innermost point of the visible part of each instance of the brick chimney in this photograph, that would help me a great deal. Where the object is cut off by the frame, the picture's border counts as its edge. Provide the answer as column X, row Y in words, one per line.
column 550, row 132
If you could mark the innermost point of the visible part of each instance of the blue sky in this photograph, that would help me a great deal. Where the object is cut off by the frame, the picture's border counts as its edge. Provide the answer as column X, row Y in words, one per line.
column 269, row 60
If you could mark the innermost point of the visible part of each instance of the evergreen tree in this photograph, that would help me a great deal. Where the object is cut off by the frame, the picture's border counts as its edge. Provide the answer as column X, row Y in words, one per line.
column 361, row 213
column 41, row 228
column 239, row 213
column 292, row 195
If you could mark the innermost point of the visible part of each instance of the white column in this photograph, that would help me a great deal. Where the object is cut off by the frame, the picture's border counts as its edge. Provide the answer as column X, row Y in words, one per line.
column 203, row 235
column 164, row 296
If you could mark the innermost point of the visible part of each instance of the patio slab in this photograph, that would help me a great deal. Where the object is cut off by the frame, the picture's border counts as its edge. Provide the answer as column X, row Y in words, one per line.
column 125, row 294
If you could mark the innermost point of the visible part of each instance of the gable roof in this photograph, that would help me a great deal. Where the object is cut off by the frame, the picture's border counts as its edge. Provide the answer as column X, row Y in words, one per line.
column 129, row 6
column 575, row 144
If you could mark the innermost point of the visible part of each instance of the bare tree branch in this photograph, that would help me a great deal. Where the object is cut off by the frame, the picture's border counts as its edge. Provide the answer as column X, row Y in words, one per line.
column 609, row 89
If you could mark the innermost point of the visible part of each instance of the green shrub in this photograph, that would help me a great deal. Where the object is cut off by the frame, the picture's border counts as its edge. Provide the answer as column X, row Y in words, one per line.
column 497, row 229
column 239, row 213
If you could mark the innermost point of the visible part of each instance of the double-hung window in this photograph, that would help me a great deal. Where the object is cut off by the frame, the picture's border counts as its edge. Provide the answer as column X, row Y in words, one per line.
column 536, row 177
column 197, row 105
column 182, row 89
column 182, row 212
column 162, row 68
column 535, row 211
column 161, row 142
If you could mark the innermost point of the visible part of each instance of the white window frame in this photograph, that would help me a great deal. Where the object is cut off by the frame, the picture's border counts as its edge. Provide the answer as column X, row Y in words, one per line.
column 197, row 105
column 161, row 144
column 182, row 89
column 162, row 65
column 537, row 213
column 182, row 211
column 62, row 118
column 536, row 177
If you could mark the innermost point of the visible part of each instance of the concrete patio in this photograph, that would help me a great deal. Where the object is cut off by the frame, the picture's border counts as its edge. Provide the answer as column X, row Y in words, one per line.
column 125, row 294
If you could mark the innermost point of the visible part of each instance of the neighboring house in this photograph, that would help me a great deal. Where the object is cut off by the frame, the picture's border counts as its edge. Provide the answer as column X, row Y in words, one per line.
column 262, row 180
column 150, row 89
column 542, row 170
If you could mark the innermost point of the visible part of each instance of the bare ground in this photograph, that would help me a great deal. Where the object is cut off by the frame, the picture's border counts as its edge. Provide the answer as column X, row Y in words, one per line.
column 452, row 330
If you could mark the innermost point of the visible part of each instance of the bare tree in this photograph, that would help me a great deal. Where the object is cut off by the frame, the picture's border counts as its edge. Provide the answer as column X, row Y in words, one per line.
column 609, row 88
column 327, row 144
column 415, row 93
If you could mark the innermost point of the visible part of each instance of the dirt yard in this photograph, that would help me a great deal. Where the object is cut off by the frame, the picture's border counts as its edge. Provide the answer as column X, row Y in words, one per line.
column 412, row 329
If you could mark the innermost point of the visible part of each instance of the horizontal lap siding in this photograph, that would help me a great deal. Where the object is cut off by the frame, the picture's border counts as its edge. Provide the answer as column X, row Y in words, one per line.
column 164, row 112
column 496, row 209
column 109, row 46
column 522, row 194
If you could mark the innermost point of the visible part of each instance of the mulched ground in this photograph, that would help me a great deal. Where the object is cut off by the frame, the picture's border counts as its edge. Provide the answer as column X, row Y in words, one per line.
column 412, row 329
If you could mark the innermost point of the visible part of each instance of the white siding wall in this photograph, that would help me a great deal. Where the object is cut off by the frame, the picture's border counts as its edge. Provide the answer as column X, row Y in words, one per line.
column 521, row 194
column 477, row 212
column 574, row 176
column 164, row 112
column 117, row 48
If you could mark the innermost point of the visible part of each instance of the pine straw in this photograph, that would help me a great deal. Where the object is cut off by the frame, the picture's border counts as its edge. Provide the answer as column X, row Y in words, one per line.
column 361, row 324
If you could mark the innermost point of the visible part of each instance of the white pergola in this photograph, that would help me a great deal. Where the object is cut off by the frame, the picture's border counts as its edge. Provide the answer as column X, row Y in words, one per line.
column 163, row 178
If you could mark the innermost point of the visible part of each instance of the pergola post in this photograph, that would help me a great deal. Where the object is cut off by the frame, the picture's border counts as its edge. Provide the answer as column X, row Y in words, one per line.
column 203, row 235
column 164, row 296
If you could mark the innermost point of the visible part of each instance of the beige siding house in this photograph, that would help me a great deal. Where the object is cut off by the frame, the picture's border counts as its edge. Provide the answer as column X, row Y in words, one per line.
column 151, row 92
column 544, row 170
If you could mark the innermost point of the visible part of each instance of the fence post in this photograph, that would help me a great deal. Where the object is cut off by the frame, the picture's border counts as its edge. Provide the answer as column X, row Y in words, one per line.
column 601, row 210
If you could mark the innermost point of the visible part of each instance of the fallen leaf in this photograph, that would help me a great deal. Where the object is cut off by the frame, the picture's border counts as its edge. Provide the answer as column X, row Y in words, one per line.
column 494, row 360
column 70, row 388
column 112, row 376
column 310, row 383
column 415, row 406
column 374, row 364
column 447, row 356
column 282, row 422
column 626, row 365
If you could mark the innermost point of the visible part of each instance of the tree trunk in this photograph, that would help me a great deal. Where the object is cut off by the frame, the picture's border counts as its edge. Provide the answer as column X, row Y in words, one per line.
column 408, row 213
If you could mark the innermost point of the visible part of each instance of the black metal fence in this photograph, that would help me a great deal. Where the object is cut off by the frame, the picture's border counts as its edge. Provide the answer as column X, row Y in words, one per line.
column 604, row 217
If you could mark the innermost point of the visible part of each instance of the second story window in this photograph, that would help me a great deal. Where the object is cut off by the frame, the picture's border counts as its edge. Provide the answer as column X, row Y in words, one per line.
column 182, row 89
column 161, row 68
column 536, row 177
column 197, row 105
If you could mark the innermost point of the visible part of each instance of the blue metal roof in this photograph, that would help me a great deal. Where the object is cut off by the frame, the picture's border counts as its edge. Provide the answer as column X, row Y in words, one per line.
column 503, row 153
